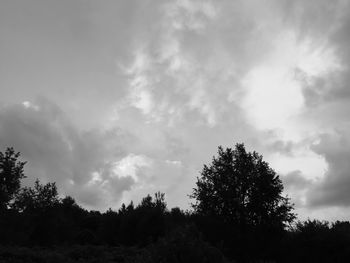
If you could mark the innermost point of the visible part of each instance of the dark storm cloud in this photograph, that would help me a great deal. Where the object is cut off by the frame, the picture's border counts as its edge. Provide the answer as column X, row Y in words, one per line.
column 333, row 189
column 57, row 152
column 341, row 39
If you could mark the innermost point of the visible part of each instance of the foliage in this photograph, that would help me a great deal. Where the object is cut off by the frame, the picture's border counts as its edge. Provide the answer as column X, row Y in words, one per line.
column 40, row 197
column 11, row 172
column 239, row 215
column 71, row 254
column 182, row 245
column 240, row 188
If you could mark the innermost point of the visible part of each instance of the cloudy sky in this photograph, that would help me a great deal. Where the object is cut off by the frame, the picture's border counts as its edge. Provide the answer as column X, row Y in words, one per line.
column 117, row 99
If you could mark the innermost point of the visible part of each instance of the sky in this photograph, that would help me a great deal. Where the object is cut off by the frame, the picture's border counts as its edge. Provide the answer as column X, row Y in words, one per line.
column 114, row 100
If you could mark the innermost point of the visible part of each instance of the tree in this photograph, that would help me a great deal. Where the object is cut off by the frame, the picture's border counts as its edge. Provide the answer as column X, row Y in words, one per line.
column 150, row 215
column 11, row 172
column 240, row 188
column 41, row 197
column 158, row 203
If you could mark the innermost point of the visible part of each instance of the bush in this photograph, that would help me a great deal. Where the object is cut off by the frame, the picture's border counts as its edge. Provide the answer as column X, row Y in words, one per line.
column 183, row 245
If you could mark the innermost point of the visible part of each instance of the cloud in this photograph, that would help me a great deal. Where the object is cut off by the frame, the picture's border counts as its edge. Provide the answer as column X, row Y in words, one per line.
column 296, row 185
column 56, row 151
column 168, row 78
column 324, row 78
column 201, row 78
column 171, row 177
column 324, row 26
column 128, row 166
column 296, row 180
column 333, row 189
column 141, row 93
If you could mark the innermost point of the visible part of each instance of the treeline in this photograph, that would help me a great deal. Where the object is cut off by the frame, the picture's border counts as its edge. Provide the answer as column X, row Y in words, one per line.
column 47, row 220
column 150, row 225
column 239, row 215
column 151, row 231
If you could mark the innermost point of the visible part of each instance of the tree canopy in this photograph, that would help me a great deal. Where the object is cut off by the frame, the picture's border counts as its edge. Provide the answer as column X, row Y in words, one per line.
column 240, row 188
column 11, row 172
column 40, row 197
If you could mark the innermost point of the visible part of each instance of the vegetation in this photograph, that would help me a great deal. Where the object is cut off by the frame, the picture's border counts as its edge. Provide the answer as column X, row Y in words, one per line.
column 239, row 215
column 11, row 172
column 240, row 188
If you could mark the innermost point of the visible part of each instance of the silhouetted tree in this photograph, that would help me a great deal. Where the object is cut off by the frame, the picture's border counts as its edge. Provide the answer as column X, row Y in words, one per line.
column 41, row 197
column 239, row 213
column 11, row 172
column 240, row 188
column 157, row 203
column 68, row 202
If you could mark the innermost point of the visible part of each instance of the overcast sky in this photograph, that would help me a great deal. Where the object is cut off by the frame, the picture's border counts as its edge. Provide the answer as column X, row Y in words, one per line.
column 117, row 99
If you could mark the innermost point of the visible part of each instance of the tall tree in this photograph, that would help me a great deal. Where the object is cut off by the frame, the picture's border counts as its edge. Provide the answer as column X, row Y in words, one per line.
column 240, row 188
column 11, row 172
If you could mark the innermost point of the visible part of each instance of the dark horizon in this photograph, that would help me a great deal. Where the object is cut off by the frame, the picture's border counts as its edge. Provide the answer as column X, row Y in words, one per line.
column 239, row 214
